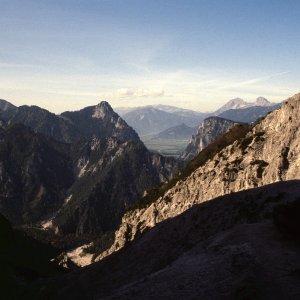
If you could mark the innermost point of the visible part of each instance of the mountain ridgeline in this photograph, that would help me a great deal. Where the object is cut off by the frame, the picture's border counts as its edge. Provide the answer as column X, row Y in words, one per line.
column 69, row 127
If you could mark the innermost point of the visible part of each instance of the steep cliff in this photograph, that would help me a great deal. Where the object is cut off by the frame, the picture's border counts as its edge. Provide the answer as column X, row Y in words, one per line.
column 207, row 132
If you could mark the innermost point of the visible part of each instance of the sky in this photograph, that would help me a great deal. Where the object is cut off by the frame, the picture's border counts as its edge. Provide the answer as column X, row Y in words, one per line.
column 197, row 54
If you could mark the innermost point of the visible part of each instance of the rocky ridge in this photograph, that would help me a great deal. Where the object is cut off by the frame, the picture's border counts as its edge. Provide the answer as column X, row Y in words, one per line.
column 70, row 127
column 265, row 155
column 78, row 173
column 207, row 132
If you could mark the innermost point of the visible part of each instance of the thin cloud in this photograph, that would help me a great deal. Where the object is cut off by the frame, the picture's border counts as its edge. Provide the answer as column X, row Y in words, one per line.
column 252, row 81
column 138, row 93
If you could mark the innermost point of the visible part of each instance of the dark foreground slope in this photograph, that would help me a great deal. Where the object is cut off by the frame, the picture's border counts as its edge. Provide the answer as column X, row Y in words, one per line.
column 23, row 262
column 227, row 248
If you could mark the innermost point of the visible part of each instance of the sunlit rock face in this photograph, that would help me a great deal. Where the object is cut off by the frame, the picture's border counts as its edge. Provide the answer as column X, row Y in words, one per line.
column 270, row 152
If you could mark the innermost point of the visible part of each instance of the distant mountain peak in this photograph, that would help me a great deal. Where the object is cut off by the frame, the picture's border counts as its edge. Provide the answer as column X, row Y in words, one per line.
column 261, row 101
column 238, row 103
column 232, row 104
column 237, row 100
column 102, row 109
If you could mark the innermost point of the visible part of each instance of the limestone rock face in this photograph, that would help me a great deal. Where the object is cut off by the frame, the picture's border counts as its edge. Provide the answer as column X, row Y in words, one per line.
column 208, row 130
column 270, row 152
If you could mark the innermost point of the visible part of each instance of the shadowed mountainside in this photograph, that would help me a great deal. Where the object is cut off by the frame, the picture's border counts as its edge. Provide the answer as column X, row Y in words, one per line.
column 181, row 257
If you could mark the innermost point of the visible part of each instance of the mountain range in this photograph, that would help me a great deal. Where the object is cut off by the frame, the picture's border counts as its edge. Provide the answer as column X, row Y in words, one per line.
column 225, row 225
column 238, row 103
column 152, row 122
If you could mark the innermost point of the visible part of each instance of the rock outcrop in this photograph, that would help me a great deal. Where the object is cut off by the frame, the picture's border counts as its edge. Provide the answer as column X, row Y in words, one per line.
column 207, row 132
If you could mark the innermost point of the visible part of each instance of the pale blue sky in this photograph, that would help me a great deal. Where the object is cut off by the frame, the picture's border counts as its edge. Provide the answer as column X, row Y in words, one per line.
column 67, row 54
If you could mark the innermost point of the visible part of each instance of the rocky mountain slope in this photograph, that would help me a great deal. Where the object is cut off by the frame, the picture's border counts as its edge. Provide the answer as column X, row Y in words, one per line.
column 263, row 156
column 81, row 188
column 207, row 132
column 35, row 174
column 111, row 176
column 181, row 257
